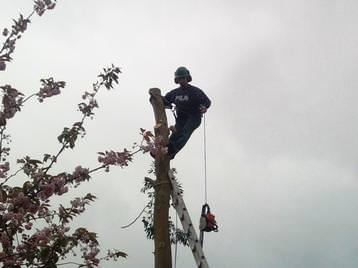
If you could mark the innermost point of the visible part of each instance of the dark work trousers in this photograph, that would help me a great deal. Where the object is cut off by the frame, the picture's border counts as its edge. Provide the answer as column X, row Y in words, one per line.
column 185, row 126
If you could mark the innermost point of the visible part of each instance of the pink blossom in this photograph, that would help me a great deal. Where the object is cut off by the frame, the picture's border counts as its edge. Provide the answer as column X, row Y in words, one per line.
column 61, row 211
column 21, row 248
column 33, row 208
column 115, row 158
column 20, row 25
column 76, row 203
column 43, row 211
column 47, row 91
column 90, row 256
column 4, row 168
column 11, row 45
column 42, row 237
column 79, row 204
column 87, row 109
column 28, row 226
column 51, row 6
column 5, row 32
column 154, row 146
column 61, row 231
column 4, row 240
column 88, row 95
column 39, row 7
column 14, row 218
column 63, row 190
column 47, row 190
column 21, row 201
column 60, row 185
column 12, row 101
column 7, row 216
column 50, row 88
column 80, row 174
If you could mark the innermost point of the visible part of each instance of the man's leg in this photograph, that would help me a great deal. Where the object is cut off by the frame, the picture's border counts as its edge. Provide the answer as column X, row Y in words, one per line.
column 179, row 124
column 184, row 130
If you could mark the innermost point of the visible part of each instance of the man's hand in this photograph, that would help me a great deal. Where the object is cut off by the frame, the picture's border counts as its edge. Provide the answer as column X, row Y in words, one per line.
column 203, row 109
column 168, row 106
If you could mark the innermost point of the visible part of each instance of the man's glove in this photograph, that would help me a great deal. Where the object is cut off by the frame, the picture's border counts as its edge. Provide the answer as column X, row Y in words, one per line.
column 203, row 109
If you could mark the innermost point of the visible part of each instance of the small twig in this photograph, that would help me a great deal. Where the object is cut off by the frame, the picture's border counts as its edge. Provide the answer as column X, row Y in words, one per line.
column 12, row 33
column 54, row 159
column 97, row 168
column 1, row 139
column 12, row 175
column 71, row 262
column 140, row 214
column 151, row 181
column 96, row 87
column 29, row 97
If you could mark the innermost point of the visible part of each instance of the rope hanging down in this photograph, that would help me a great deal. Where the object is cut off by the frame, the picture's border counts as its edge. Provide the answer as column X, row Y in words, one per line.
column 207, row 219
column 205, row 167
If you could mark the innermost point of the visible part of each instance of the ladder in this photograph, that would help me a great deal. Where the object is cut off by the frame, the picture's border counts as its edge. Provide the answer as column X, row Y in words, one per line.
column 179, row 205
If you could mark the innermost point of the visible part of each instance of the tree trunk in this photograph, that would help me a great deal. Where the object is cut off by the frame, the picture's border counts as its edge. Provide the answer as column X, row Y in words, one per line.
column 162, row 247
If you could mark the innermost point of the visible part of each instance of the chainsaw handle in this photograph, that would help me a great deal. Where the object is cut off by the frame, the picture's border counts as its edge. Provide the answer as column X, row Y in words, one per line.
column 205, row 210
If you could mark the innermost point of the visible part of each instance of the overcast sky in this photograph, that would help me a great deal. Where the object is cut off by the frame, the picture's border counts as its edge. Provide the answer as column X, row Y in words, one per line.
column 281, row 132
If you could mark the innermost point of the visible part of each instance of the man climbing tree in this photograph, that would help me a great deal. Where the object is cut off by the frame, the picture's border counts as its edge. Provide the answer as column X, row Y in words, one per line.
column 191, row 103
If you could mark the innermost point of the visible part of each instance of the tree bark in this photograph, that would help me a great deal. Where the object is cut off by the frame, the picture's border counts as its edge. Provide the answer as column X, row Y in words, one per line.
column 162, row 247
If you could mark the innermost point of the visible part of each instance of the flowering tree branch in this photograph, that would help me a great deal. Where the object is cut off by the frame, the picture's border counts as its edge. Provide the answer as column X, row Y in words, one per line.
column 18, row 28
column 32, row 232
column 23, row 207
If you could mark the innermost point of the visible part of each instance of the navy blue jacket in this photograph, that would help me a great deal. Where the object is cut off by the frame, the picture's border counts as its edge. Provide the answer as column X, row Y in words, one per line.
column 187, row 100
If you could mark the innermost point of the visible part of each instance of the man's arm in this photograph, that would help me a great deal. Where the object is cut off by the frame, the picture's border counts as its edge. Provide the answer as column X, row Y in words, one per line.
column 205, row 102
column 168, row 100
